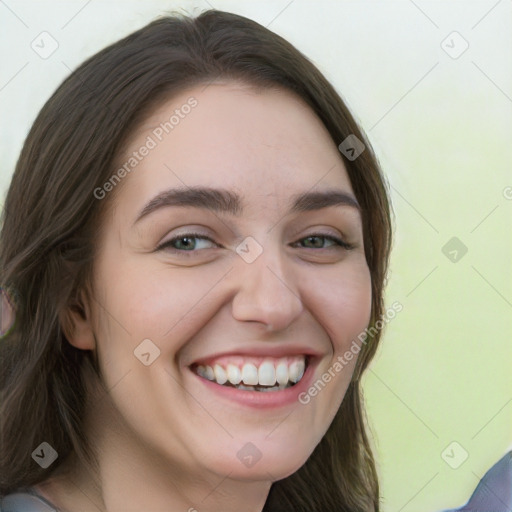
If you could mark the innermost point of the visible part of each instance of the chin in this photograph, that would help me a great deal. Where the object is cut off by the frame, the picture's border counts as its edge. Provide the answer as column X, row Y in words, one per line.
column 260, row 460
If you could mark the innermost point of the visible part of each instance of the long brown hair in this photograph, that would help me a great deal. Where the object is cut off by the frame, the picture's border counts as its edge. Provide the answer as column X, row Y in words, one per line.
column 48, row 237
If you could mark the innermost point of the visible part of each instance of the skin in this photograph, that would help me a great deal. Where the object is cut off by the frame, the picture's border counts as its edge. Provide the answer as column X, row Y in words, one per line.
column 162, row 438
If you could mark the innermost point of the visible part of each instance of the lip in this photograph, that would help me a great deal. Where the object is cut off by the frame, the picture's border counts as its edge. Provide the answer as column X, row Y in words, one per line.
column 261, row 399
column 273, row 352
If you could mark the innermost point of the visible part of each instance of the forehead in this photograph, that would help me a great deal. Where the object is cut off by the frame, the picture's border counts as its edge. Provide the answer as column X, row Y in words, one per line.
column 263, row 144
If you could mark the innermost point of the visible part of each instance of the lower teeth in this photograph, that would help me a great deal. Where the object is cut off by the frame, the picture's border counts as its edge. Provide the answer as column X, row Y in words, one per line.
column 261, row 388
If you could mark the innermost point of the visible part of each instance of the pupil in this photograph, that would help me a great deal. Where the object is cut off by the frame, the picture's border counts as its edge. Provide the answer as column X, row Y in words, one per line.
column 315, row 241
column 186, row 242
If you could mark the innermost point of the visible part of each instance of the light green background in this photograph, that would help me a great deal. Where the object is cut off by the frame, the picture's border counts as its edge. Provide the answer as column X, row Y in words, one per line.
column 442, row 129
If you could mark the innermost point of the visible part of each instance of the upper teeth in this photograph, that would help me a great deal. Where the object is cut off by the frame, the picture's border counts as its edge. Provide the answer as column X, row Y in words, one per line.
column 267, row 373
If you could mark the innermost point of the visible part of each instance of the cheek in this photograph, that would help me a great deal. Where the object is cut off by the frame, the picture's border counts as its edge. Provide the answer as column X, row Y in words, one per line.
column 148, row 299
column 341, row 301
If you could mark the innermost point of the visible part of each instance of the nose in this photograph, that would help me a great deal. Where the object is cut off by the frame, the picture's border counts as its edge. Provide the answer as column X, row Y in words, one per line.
column 264, row 293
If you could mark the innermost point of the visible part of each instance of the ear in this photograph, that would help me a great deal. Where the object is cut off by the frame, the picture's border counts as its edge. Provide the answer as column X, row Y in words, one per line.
column 75, row 321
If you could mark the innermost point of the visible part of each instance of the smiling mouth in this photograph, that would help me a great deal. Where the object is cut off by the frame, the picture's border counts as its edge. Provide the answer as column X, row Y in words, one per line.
column 254, row 374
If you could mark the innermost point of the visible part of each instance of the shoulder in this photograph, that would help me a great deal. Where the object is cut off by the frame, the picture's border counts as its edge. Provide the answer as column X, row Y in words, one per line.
column 494, row 492
column 25, row 500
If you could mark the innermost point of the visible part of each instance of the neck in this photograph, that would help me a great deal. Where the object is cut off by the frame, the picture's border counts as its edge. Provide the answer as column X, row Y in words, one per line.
column 132, row 477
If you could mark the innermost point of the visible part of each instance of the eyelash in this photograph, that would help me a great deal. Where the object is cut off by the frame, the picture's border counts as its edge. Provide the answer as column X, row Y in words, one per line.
column 167, row 246
column 337, row 241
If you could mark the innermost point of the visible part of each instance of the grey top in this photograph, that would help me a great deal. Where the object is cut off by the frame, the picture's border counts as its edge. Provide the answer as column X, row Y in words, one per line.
column 493, row 493
column 26, row 500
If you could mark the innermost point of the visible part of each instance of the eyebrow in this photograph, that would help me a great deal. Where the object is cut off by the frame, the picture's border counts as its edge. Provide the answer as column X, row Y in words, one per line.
column 226, row 201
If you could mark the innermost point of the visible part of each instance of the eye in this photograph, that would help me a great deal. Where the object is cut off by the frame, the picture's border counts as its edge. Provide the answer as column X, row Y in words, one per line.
column 322, row 241
column 189, row 242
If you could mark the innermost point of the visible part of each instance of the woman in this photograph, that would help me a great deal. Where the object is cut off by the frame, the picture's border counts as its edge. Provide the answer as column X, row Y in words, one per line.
column 189, row 226
column 195, row 271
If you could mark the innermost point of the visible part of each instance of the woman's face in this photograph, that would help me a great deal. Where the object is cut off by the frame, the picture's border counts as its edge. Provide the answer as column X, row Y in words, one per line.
column 234, row 251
